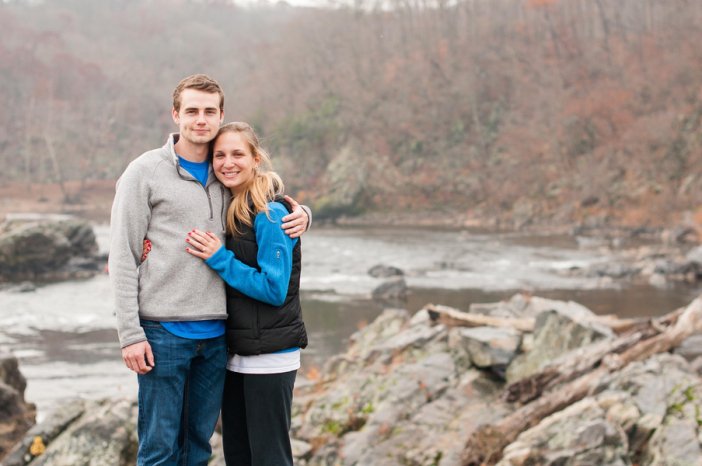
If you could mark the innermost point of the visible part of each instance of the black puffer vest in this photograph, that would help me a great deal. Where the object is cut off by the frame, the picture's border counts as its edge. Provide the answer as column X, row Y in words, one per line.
column 254, row 327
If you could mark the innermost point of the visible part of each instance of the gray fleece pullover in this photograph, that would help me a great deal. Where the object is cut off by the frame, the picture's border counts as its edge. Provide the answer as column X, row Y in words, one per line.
column 157, row 199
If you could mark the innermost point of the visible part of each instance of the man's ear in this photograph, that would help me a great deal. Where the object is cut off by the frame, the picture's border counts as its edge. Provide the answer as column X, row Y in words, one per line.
column 174, row 114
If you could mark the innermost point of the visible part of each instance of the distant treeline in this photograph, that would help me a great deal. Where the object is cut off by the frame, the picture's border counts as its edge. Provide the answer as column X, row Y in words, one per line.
column 527, row 110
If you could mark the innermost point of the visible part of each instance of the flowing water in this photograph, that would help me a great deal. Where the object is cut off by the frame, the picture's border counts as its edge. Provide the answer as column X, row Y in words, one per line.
column 64, row 334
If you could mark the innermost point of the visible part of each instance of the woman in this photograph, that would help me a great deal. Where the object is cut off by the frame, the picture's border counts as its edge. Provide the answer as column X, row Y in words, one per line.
column 265, row 331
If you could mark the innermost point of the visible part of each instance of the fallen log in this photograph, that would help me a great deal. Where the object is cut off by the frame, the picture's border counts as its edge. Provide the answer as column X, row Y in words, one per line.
column 582, row 360
column 485, row 445
column 452, row 317
column 456, row 318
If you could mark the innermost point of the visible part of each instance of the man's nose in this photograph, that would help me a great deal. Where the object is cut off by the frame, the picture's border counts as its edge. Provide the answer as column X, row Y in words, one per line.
column 201, row 117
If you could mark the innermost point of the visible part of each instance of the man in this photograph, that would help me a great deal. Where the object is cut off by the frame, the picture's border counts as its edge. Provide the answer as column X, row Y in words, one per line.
column 170, row 306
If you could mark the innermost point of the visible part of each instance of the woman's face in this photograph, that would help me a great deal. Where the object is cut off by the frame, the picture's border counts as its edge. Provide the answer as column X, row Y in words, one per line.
column 232, row 161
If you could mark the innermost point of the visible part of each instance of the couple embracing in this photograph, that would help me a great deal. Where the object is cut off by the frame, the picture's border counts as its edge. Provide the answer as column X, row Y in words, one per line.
column 205, row 265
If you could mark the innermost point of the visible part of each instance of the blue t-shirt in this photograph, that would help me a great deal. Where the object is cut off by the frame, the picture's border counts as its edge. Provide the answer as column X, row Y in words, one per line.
column 200, row 170
column 199, row 329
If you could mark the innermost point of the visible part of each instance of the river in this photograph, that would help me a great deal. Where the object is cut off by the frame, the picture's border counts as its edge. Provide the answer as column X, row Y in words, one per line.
column 63, row 333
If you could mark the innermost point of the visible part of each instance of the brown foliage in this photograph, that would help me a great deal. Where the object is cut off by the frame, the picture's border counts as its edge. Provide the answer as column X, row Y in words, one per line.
column 518, row 109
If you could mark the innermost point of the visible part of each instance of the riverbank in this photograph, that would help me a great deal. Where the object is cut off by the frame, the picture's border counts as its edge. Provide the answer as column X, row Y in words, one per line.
column 522, row 381
column 92, row 200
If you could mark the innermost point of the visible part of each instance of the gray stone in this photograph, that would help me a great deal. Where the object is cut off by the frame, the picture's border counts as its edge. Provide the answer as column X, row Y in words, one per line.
column 16, row 415
column 56, row 422
column 580, row 434
column 658, row 280
column 564, row 327
column 690, row 348
column 414, row 337
column 346, row 177
column 614, row 270
column 385, row 271
column 46, row 249
column 300, row 449
column 394, row 289
column 489, row 346
column 388, row 324
column 516, row 306
column 695, row 255
column 104, row 434
column 675, row 443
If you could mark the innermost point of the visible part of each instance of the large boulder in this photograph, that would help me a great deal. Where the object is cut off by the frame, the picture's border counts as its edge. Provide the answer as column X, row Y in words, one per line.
column 82, row 433
column 559, row 327
column 46, row 248
column 399, row 395
column 385, row 271
column 16, row 415
column 392, row 290
column 487, row 346
column 580, row 434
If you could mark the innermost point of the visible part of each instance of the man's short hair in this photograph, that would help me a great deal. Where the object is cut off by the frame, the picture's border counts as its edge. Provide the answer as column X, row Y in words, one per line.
column 200, row 82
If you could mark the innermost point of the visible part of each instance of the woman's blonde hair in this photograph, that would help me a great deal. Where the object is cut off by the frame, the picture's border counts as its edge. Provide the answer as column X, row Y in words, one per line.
column 263, row 187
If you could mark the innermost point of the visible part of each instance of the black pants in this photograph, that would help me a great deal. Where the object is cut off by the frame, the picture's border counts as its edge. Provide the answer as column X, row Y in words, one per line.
column 256, row 411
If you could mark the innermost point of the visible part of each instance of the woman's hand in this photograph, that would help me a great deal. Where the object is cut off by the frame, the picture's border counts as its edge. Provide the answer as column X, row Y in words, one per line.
column 203, row 244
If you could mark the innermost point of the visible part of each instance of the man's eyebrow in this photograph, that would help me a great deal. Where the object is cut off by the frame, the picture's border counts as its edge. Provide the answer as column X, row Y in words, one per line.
column 198, row 108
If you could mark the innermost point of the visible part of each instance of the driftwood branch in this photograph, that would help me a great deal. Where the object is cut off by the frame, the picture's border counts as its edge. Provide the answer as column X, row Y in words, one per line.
column 485, row 445
column 456, row 318
column 582, row 360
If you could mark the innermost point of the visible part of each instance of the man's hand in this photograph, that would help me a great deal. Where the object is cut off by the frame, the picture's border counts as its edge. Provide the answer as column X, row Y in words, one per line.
column 295, row 223
column 204, row 244
column 138, row 357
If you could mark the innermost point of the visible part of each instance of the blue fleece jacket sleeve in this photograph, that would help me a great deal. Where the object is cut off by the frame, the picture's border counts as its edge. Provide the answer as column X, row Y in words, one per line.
column 270, row 285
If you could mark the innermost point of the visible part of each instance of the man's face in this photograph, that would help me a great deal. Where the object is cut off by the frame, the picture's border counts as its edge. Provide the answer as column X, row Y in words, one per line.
column 199, row 117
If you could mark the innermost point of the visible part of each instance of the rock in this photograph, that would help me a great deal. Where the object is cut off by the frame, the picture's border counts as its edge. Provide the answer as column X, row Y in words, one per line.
column 614, row 270
column 406, row 392
column 46, row 249
column 104, row 434
column 680, row 235
column 563, row 328
column 690, row 348
column 675, row 442
column 25, row 287
column 384, row 271
column 674, row 266
column 45, row 432
column 488, row 346
column 16, row 415
column 395, row 289
column 414, row 337
column 695, row 255
column 579, row 434
column 346, row 180
column 300, row 449
column 658, row 280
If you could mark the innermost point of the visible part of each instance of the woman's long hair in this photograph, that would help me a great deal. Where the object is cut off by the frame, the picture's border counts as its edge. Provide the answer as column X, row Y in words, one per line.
column 260, row 190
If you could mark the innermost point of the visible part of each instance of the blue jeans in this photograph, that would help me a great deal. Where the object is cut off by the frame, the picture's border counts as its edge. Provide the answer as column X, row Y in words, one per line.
column 180, row 399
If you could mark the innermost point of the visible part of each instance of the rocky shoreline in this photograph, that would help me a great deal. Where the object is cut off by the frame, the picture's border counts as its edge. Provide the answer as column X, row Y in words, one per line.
column 418, row 389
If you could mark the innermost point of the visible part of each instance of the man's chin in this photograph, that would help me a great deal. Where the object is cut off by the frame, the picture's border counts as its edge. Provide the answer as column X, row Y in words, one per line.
column 200, row 139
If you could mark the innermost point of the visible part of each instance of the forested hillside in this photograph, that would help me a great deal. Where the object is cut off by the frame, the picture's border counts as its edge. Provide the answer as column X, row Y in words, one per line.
column 526, row 111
